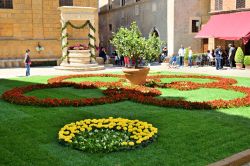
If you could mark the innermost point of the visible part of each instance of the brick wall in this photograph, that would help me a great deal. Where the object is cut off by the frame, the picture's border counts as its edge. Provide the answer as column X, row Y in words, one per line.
column 33, row 21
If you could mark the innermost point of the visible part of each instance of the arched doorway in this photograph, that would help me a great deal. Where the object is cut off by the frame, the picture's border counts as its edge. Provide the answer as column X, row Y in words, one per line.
column 155, row 32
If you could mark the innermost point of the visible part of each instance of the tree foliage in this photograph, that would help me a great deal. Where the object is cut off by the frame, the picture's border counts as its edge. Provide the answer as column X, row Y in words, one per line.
column 129, row 42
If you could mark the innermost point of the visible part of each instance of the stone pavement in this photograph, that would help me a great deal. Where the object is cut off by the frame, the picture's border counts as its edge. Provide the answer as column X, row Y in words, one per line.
column 40, row 71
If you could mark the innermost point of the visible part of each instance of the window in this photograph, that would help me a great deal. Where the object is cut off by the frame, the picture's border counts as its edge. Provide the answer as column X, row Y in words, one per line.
column 123, row 2
column 154, row 7
column 110, row 6
column 110, row 27
column 240, row 4
column 65, row 2
column 195, row 26
column 6, row 4
column 218, row 4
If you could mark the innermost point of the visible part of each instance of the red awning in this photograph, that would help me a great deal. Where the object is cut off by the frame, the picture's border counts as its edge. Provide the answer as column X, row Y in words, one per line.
column 232, row 26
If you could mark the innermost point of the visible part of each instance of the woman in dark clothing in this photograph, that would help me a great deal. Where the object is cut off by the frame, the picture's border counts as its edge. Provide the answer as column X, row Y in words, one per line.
column 103, row 54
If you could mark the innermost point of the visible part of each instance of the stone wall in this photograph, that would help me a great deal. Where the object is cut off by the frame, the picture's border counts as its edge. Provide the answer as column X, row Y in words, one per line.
column 171, row 20
column 33, row 21
column 185, row 11
column 148, row 14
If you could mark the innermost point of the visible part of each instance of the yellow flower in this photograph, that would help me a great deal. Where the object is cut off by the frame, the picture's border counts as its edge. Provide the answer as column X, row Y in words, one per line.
column 118, row 128
column 138, row 141
column 124, row 143
column 130, row 130
column 131, row 143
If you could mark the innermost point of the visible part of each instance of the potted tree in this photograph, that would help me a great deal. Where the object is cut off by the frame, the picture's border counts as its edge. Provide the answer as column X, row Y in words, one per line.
column 130, row 43
column 247, row 62
column 239, row 58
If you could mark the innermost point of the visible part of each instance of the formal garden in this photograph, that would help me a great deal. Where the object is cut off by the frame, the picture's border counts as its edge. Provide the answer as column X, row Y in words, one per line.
column 134, row 117
column 173, row 119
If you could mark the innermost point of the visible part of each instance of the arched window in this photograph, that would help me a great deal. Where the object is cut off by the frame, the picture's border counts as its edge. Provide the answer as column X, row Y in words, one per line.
column 65, row 2
column 155, row 32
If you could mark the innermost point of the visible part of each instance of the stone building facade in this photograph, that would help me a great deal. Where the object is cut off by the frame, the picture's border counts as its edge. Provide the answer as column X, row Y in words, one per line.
column 218, row 7
column 25, row 23
column 175, row 21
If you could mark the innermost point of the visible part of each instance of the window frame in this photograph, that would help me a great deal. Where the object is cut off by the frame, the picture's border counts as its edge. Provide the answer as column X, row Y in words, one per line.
column 6, row 2
column 122, row 3
column 218, row 5
column 191, row 19
column 61, row 2
column 240, row 7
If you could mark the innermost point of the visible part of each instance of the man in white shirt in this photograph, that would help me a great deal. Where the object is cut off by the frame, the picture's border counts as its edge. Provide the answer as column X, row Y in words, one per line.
column 181, row 54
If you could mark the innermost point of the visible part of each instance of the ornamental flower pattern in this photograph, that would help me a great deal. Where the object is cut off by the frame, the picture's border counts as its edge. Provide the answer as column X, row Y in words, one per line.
column 117, row 91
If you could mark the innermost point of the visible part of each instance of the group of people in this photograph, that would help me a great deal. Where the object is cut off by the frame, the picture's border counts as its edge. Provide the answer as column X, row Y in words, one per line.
column 120, row 60
column 178, row 59
column 221, row 58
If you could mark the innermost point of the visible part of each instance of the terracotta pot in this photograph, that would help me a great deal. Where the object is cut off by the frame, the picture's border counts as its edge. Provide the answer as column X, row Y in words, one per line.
column 186, row 63
column 166, row 60
column 136, row 76
column 239, row 65
column 247, row 67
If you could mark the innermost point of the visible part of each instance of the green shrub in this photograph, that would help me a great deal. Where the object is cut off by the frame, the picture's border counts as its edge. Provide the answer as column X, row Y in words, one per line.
column 186, row 53
column 239, row 56
column 247, row 60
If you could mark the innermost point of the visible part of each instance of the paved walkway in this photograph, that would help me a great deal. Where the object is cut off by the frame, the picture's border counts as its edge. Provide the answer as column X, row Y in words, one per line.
column 40, row 71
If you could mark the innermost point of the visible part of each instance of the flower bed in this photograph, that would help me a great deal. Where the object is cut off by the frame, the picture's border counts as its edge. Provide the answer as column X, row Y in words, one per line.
column 107, row 135
column 116, row 92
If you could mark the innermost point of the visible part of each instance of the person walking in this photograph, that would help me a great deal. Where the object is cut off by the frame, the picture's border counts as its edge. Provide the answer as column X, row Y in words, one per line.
column 181, row 54
column 218, row 57
column 190, row 56
column 27, row 62
column 231, row 54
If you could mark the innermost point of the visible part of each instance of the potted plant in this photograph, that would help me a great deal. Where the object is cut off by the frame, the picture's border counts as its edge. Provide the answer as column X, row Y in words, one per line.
column 186, row 57
column 130, row 43
column 239, row 58
column 247, row 61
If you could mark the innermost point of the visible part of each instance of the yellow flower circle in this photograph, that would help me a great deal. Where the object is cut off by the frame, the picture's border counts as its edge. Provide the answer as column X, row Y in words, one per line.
column 138, row 132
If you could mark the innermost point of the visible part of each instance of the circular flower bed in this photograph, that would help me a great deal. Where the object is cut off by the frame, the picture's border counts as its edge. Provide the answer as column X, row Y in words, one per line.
column 17, row 95
column 107, row 135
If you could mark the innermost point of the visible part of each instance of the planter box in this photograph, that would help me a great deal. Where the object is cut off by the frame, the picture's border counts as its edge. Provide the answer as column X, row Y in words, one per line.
column 79, row 56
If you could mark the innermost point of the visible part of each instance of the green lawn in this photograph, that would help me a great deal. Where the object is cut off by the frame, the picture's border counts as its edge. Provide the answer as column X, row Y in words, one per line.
column 29, row 134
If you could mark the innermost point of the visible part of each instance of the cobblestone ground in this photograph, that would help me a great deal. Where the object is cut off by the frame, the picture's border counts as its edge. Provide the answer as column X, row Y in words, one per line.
column 39, row 71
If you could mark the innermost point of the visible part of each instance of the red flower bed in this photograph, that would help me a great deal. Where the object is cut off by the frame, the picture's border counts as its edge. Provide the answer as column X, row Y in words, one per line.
column 17, row 96
column 219, row 80
column 116, row 92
